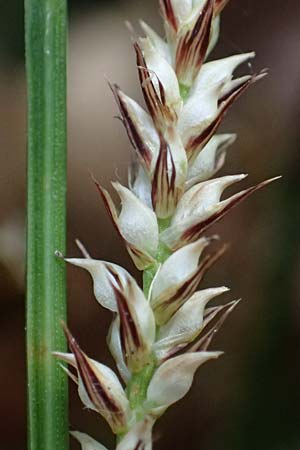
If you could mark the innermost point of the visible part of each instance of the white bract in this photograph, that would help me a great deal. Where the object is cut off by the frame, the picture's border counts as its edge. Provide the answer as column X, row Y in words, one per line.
column 185, row 325
column 173, row 380
column 102, row 281
column 98, row 387
column 118, row 291
column 210, row 160
column 197, row 206
column 176, row 270
column 136, row 223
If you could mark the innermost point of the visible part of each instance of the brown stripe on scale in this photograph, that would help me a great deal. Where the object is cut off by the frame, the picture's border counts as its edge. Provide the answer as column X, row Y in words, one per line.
column 219, row 6
column 115, row 276
column 136, row 138
column 206, row 337
column 205, row 340
column 166, row 308
column 194, row 232
column 162, row 114
column 97, row 394
column 96, row 391
column 169, row 13
column 110, row 207
column 129, row 334
column 196, row 143
column 242, row 83
column 164, row 182
column 192, row 46
column 140, row 259
column 152, row 100
column 211, row 313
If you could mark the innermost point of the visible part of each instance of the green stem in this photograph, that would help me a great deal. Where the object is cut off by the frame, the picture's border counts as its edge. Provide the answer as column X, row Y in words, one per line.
column 45, row 35
column 163, row 252
column 138, row 385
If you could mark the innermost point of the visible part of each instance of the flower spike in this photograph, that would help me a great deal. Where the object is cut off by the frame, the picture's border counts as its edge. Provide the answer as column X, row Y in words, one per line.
column 160, row 336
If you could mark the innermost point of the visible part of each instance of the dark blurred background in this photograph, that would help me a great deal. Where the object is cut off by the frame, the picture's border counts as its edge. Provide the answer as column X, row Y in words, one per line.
column 249, row 399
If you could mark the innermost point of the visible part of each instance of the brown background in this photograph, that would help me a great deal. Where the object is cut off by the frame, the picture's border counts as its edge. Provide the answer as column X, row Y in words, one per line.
column 249, row 399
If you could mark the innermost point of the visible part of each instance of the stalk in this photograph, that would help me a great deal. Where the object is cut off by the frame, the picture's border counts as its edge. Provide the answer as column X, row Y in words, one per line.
column 45, row 36
column 163, row 252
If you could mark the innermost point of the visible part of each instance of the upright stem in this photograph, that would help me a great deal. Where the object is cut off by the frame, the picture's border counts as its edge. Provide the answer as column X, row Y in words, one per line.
column 45, row 29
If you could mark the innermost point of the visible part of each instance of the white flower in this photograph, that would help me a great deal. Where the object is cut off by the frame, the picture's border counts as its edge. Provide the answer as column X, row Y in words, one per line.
column 210, row 160
column 169, row 176
column 161, row 153
column 136, row 326
column 98, row 387
column 173, row 379
column 206, row 101
column 200, row 207
column 220, row 70
column 117, row 290
column 140, row 129
column 162, row 74
column 185, row 325
column 212, row 94
column 177, row 279
column 102, row 281
column 192, row 43
column 136, row 224
column 163, row 101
